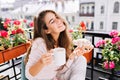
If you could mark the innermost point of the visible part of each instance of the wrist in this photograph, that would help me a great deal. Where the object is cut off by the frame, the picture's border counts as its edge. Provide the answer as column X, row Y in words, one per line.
column 72, row 56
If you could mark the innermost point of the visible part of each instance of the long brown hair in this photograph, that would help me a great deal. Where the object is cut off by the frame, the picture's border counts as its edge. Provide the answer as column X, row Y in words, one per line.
column 39, row 31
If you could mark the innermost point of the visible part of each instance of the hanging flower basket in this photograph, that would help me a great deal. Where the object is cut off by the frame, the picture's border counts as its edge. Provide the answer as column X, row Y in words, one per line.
column 14, row 52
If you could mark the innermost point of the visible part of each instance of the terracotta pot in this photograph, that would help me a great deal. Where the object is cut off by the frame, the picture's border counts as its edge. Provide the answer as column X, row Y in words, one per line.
column 16, row 51
column 1, row 58
column 88, row 56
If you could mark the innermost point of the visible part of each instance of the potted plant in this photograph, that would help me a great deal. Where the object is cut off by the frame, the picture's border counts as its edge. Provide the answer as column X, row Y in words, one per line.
column 78, row 40
column 13, row 41
column 111, row 52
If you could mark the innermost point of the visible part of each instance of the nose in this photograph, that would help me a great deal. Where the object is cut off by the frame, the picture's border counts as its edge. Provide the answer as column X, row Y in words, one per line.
column 59, row 21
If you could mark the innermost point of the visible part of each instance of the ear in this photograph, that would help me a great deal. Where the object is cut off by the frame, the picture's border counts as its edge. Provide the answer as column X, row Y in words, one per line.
column 47, row 31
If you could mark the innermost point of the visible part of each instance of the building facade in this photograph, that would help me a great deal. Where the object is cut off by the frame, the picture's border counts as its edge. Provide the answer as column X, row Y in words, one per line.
column 105, row 17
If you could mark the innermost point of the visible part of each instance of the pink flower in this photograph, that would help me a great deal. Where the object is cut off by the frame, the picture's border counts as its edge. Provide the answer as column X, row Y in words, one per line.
column 115, row 40
column 31, row 24
column 111, row 65
column 100, row 43
column 119, row 47
column 70, row 30
column 24, row 20
column 105, row 65
column 3, row 33
column 114, row 33
column 16, row 22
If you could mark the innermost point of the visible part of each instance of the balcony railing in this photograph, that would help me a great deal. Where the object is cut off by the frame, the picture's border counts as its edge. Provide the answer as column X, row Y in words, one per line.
column 95, row 65
column 92, row 68
column 87, row 14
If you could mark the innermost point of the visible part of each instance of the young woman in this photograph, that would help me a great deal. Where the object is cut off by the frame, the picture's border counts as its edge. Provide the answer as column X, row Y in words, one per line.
column 50, row 31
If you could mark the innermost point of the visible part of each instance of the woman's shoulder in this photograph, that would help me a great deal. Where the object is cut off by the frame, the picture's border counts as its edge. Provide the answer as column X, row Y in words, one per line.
column 38, row 41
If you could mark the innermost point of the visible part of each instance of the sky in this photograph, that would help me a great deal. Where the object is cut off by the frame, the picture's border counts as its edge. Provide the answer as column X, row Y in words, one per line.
column 7, row 1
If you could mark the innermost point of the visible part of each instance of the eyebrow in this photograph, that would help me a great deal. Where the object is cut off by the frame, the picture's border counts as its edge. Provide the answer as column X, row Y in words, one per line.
column 50, row 20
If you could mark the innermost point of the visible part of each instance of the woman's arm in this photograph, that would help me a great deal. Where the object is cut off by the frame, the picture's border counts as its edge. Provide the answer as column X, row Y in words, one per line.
column 45, row 59
column 78, row 69
column 35, row 67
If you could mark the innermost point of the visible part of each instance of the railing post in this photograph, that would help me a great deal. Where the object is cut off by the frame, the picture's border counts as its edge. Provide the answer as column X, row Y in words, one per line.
column 14, row 69
column 92, row 65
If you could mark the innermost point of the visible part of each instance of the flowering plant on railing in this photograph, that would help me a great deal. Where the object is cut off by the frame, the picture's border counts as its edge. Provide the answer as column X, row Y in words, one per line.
column 4, row 40
column 77, row 33
column 111, row 51
column 83, row 44
column 13, row 34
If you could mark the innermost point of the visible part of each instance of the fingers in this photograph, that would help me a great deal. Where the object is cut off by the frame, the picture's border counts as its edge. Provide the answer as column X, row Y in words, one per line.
column 78, row 52
column 50, row 52
column 47, row 58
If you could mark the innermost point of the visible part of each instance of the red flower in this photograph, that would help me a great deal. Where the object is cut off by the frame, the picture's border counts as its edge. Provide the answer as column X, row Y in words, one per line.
column 82, row 25
column 5, row 24
column 16, row 22
column 19, row 31
column 31, row 24
column 14, row 32
column 3, row 33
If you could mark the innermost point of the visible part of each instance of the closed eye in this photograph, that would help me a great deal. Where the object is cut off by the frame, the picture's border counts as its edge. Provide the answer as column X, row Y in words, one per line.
column 52, row 21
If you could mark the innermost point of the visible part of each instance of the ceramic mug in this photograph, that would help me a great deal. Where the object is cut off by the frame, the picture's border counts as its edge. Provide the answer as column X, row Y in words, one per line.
column 59, row 56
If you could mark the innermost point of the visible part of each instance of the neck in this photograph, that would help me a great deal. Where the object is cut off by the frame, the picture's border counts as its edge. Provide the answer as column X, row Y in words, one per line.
column 55, row 37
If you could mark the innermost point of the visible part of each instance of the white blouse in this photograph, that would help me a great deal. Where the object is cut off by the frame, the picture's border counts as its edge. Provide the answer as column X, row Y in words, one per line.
column 49, row 71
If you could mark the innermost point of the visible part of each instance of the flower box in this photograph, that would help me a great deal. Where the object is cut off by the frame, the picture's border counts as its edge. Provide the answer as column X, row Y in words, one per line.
column 88, row 56
column 1, row 58
column 16, row 51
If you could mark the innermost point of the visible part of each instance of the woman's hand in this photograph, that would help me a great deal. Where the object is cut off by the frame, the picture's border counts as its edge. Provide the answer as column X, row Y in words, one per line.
column 77, row 52
column 46, row 58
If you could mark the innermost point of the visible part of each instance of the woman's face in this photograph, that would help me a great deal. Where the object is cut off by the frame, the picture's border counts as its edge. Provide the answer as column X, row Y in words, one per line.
column 54, row 24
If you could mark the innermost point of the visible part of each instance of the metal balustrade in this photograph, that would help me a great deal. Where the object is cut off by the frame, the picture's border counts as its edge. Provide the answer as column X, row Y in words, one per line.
column 94, row 66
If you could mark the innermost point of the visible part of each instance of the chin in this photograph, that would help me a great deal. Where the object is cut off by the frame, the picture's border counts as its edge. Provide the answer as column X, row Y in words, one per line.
column 63, row 29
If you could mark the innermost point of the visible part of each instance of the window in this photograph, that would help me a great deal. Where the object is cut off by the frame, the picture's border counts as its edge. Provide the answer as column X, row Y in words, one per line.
column 87, row 24
column 102, row 9
column 73, row 18
column 116, row 7
column 27, row 17
column 87, row 9
column 93, row 9
column 82, row 9
column 101, row 25
column 67, row 18
column 92, row 25
column 63, row 5
column 114, row 25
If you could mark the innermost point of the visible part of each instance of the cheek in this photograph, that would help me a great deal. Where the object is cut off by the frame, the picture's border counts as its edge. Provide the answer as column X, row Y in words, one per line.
column 52, row 28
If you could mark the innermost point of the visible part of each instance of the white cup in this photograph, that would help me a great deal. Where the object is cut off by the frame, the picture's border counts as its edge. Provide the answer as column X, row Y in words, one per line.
column 59, row 55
